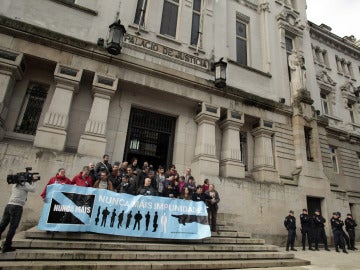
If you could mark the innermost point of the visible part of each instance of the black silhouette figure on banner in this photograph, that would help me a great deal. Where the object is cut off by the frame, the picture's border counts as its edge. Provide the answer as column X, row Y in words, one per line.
column 147, row 218
column 97, row 216
column 129, row 216
column 183, row 219
column 155, row 224
column 105, row 213
column 137, row 217
column 120, row 219
column 113, row 216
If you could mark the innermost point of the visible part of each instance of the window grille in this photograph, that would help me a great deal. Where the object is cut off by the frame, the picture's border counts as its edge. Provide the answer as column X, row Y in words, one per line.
column 31, row 109
column 308, row 143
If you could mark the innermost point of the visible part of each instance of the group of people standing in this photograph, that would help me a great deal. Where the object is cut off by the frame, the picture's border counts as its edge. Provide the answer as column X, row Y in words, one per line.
column 123, row 177
column 313, row 229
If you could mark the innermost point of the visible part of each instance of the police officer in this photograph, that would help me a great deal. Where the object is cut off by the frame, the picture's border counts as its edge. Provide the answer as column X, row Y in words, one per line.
column 336, row 225
column 290, row 225
column 305, row 228
column 319, row 222
column 350, row 225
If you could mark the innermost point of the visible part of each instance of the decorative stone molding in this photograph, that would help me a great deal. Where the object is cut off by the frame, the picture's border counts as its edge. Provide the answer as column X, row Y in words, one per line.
column 264, row 7
column 264, row 163
column 11, row 69
column 290, row 21
column 52, row 134
column 93, row 141
column 324, row 79
column 230, row 161
column 12, row 63
column 205, row 161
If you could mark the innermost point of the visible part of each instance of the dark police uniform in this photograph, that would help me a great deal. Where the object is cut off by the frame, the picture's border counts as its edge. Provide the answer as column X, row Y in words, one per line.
column 290, row 225
column 336, row 225
column 319, row 222
column 306, row 229
column 350, row 225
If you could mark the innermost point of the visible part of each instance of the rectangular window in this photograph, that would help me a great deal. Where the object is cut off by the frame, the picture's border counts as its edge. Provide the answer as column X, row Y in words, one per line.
column 31, row 109
column 351, row 112
column 358, row 157
column 325, row 103
column 308, row 143
column 243, row 149
column 289, row 45
column 169, row 18
column 140, row 12
column 195, row 26
column 241, row 42
column 333, row 155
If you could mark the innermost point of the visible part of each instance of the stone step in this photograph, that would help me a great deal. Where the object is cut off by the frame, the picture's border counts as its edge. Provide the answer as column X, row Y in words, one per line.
column 71, row 254
column 92, row 245
column 239, row 238
column 153, row 265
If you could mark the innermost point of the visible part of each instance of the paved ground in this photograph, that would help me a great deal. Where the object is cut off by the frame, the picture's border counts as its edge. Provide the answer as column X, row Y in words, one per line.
column 325, row 260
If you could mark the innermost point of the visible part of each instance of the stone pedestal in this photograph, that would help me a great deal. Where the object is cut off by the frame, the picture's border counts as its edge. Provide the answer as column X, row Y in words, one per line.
column 264, row 166
column 93, row 141
column 230, row 162
column 52, row 134
column 205, row 162
column 11, row 69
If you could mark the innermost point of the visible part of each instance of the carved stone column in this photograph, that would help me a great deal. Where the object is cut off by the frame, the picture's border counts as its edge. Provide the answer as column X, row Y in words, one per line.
column 11, row 69
column 205, row 162
column 93, row 141
column 264, row 10
column 52, row 134
column 230, row 163
column 264, row 165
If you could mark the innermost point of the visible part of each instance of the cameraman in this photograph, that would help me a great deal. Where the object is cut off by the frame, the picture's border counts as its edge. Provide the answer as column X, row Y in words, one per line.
column 13, row 211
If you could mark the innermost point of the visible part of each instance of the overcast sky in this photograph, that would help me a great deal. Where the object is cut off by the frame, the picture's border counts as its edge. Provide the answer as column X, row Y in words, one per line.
column 343, row 16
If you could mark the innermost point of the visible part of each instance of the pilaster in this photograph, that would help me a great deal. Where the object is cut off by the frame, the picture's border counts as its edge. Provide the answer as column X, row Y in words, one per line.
column 52, row 134
column 230, row 162
column 11, row 69
column 264, row 165
column 205, row 161
column 93, row 141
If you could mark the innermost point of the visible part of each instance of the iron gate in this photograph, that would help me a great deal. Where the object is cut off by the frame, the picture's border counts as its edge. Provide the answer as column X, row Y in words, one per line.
column 150, row 137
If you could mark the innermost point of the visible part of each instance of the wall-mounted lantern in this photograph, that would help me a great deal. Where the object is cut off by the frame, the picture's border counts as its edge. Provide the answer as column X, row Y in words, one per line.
column 220, row 73
column 115, row 38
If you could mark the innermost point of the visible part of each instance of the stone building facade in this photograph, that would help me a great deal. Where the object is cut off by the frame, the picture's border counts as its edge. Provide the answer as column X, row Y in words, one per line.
column 283, row 134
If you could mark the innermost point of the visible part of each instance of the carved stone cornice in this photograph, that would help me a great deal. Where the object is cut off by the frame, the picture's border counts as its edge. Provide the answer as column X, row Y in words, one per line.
column 334, row 41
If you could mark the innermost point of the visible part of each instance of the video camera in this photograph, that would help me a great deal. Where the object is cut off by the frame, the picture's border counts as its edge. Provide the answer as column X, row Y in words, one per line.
column 22, row 177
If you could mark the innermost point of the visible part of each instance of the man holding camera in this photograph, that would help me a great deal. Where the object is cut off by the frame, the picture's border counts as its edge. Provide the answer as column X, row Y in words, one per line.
column 13, row 211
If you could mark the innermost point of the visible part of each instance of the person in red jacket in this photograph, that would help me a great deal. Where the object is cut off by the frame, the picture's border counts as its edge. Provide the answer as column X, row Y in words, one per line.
column 83, row 179
column 59, row 178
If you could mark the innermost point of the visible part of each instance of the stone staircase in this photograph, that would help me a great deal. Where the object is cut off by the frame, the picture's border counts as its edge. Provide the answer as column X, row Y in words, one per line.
column 228, row 249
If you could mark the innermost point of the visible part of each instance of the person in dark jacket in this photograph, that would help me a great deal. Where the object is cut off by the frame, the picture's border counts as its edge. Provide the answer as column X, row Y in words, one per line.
column 92, row 173
column 319, row 223
column 306, row 221
column 336, row 225
column 350, row 225
column 290, row 225
column 212, row 206
column 147, row 189
column 126, row 186
column 103, row 165
column 199, row 195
